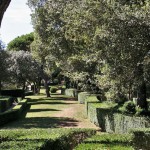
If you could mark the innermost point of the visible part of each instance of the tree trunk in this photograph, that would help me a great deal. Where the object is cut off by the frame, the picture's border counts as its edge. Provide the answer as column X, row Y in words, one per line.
column 47, row 89
column 0, row 87
column 38, row 85
column 3, row 6
column 141, row 99
column 23, row 89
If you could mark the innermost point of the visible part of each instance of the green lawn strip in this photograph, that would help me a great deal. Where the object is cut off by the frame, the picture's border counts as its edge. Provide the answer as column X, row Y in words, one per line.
column 40, row 111
column 104, row 105
column 107, row 141
column 4, row 97
column 103, row 147
column 45, row 138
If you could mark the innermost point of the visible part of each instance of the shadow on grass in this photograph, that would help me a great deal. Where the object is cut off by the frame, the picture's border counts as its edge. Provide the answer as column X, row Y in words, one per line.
column 41, row 110
column 50, row 103
column 43, row 122
column 60, row 98
column 46, row 101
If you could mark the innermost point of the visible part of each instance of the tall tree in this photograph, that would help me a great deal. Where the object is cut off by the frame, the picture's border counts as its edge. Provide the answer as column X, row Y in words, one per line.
column 21, row 43
column 23, row 68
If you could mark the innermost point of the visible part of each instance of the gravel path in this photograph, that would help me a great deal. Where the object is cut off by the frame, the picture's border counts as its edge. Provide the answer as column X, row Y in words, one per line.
column 76, row 113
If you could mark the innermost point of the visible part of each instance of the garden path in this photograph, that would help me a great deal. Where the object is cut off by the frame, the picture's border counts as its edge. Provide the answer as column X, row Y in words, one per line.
column 58, row 111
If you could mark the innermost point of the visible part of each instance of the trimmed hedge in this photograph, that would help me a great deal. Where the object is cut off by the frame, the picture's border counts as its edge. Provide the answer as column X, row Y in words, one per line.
column 63, row 90
column 90, row 99
column 53, row 89
column 82, row 96
column 46, row 139
column 29, row 93
column 105, row 141
column 13, row 114
column 144, row 136
column 72, row 92
column 13, row 93
column 105, row 116
column 5, row 103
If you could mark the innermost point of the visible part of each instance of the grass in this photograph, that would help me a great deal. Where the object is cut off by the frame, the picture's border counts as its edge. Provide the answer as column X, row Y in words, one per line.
column 104, row 105
column 4, row 98
column 106, row 141
column 46, row 139
column 33, row 131
column 40, row 111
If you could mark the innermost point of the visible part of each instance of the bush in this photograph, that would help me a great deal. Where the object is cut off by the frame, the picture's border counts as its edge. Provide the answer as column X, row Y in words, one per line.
column 107, row 141
column 72, row 92
column 54, row 139
column 13, row 93
column 139, row 111
column 53, row 89
column 29, row 93
column 6, row 103
column 82, row 96
column 106, row 117
column 128, row 107
column 13, row 114
column 144, row 136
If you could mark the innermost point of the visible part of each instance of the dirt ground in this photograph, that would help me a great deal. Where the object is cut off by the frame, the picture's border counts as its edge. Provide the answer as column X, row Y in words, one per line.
column 76, row 113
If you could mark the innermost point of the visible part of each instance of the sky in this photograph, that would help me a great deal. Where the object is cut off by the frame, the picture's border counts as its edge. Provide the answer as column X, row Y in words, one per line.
column 16, row 21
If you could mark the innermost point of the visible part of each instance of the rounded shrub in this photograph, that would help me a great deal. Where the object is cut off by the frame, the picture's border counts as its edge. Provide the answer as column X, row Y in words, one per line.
column 53, row 89
column 128, row 107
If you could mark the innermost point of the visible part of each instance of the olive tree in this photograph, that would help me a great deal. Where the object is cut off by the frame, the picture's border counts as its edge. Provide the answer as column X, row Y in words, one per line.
column 4, row 65
column 23, row 68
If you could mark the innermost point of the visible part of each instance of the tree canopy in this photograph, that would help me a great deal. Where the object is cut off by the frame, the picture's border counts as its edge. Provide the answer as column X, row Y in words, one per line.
column 21, row 43
column 107, row 41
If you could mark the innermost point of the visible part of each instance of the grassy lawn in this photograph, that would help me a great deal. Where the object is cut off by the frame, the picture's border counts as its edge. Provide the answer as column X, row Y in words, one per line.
column 40, row 111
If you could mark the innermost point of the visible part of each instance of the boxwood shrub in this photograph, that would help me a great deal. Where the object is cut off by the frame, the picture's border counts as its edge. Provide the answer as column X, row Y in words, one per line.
column 82, row 96
column 141, row 138
column 13, row 93
column 72, row 92
column 6, row 103
column 107, row 141
column 46, row 139
column 13, row 114
column 53, row 89
column 105, row 116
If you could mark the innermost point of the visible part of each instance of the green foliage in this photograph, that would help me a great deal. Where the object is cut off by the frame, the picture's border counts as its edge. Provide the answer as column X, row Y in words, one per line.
column 139, row 111
column 21, row 43
column 82, row 96
column 53, row 89
column 105, row 40
column 128, row 107
column 5, row 103
column 4, row 67
column 13, row 93
column 106, row 116
column 144, row 136
column 107, row 141
column 14, row 113
column 46, row 138
column 71, row 92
